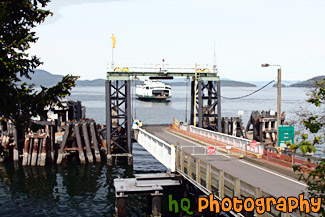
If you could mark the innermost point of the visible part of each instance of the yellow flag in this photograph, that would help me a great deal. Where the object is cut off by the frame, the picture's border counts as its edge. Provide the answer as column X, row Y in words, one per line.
column 113, row 38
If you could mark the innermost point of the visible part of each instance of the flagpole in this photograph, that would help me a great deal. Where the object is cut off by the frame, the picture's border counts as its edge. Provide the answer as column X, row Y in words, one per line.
column 113, row 40
column 112, row 58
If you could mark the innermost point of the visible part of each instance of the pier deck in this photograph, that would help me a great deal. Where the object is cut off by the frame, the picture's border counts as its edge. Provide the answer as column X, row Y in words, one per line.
column 269, row 181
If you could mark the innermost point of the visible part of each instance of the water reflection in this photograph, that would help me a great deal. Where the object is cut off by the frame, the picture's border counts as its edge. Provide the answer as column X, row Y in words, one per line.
column 73, row 189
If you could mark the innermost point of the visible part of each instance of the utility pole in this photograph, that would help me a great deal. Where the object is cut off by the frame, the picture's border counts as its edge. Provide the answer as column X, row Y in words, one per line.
column 279, row 103
column 278, row 117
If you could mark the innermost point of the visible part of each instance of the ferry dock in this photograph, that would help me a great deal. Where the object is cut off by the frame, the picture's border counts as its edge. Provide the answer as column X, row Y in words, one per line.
column 211, row 152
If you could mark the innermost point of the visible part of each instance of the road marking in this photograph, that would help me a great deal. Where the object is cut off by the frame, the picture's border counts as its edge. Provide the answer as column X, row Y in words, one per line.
column 289, row 179
column 292, row 180
column 203, row 146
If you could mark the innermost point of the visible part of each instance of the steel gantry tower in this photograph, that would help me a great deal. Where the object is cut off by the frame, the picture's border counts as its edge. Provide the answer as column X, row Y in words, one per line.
column 205, row 102
column 207, row 113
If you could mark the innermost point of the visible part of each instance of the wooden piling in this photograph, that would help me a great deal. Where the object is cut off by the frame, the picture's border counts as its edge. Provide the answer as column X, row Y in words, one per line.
column 15, row 151
column 79, row 143
column 30, row 150
column 52, row 140
column 25, row 152
column 5, row 141
column 95, row 142
column 64, row 141
column 156, row 204
column 43, row 152
column 39, row 151
column 121, row 204
column 86, row 138
column 34, row 154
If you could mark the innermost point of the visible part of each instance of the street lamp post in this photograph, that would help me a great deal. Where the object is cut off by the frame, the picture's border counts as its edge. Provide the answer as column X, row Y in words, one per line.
column 279, row 99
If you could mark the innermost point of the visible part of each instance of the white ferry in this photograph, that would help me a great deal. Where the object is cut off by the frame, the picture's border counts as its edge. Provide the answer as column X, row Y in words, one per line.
column 153, row 90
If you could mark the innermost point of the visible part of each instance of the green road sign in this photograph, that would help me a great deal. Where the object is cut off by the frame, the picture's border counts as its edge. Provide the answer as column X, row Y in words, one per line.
column 286, row 134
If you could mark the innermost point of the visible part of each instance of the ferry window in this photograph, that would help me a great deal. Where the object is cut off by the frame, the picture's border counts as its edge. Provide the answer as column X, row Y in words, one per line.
column 147, row 88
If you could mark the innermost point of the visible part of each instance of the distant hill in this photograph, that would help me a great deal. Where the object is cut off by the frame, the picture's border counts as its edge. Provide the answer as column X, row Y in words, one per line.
column 99, row 82
column 224, row 83
column 276, row 85
column 262, row 83
column 96, row 82
column 42, row 77
column 230, row 83
column 308, row 83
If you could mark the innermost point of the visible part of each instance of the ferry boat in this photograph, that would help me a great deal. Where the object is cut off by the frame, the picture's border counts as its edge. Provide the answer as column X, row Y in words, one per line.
column 152, row 90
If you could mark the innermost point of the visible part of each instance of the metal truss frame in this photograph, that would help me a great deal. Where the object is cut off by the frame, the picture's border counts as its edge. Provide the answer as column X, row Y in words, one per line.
column 208, row 104
column 118, row 115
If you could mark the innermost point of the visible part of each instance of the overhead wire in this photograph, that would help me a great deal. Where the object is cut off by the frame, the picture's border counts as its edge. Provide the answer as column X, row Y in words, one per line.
column 240, row 97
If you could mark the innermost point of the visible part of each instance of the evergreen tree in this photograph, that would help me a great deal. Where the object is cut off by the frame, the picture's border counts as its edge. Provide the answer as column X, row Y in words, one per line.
column 315, row 179
column 20, row 102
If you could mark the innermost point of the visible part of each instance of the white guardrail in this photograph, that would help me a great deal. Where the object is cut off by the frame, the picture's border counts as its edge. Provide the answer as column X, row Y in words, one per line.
column 240, row 143
column 161, row 150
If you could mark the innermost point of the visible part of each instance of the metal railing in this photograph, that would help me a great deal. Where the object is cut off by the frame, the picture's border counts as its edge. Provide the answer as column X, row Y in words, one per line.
column 160, row 67
column 210, row 179
column 233, row 141
column 161, row 150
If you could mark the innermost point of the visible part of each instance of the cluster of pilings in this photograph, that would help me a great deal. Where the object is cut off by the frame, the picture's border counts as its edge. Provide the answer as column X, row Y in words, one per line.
column 233, row 126
column 35, row 149
column 66, row 134
column 79, row 136
column 8, row 139
column 264, row 125
column 45, row 146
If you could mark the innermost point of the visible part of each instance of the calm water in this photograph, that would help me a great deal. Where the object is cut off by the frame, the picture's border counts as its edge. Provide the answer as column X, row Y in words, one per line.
column 87, row 190
column 293, row 99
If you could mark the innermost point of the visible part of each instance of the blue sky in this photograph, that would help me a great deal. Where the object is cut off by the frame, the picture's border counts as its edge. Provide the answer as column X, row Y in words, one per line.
column 77, row 39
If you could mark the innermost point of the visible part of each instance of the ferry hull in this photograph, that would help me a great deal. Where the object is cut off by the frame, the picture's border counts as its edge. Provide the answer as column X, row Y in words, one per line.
column 153, row 98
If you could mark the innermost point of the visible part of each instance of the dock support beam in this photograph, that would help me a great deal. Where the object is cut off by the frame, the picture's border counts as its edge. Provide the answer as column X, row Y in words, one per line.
column 156, row 203
column 118, row 119
column 87, row 142
column 95, row 142
column 16, row 148
column 121, row 204
column 79, row 143
column 108, row 122
column 208, row 104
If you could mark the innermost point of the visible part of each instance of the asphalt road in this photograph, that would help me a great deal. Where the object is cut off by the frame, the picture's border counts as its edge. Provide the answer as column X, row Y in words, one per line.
column 269, row 181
